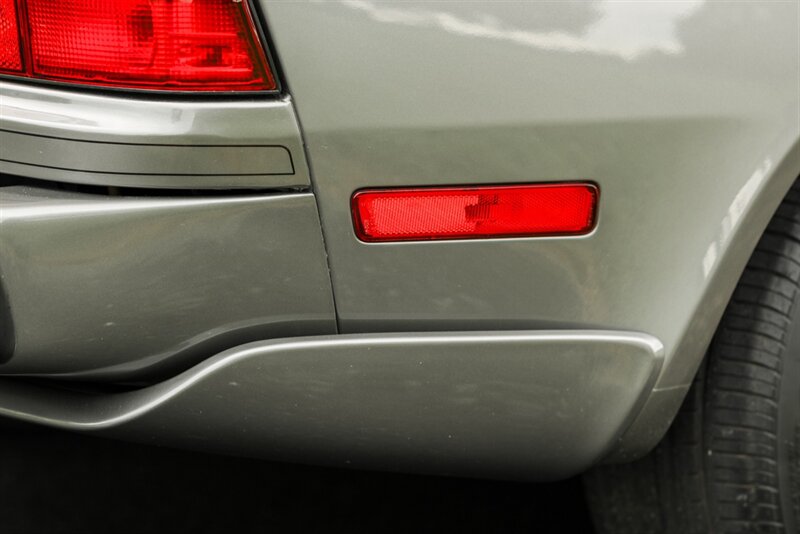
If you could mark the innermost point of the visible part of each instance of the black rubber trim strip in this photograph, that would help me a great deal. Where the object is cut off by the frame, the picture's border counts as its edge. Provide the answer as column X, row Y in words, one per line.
column 11, row 180
column 164, row 145
column 143, row 173
column 136, row 144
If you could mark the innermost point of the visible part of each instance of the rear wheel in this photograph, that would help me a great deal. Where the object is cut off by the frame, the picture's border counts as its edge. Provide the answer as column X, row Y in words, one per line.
column 731, row 461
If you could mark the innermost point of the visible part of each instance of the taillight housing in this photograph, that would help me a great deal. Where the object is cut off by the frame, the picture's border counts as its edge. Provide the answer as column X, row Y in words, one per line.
column 162, row 45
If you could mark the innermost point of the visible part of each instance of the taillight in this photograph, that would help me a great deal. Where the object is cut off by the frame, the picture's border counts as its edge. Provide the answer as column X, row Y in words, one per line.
column 10, row 54
column 173, row 45
column 474, row 212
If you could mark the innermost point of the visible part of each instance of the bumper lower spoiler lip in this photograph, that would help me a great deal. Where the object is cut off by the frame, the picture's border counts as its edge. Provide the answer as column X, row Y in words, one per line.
column 521, row 404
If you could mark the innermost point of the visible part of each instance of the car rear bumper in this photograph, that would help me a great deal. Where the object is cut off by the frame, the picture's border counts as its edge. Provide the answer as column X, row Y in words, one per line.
column 523, row 404
column 140, row 288
column 152, row 290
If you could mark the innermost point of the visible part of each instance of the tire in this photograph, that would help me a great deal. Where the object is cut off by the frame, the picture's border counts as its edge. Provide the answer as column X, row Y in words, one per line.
column 730, row 463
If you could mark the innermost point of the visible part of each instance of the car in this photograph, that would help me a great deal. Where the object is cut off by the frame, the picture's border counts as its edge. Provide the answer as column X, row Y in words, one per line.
column 522, row 240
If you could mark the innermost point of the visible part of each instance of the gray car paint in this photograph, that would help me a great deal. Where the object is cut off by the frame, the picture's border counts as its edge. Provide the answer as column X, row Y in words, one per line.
column 686, row 114
column 115, row 140
column 509, row 404
column 127, row 288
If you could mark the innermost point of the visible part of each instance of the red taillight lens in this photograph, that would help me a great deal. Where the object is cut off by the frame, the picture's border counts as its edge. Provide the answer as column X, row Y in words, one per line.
column 10, row 55
column 174, row 45
column 474, row 212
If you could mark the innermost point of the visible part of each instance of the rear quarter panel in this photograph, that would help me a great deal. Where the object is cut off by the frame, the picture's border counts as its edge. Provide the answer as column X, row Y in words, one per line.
column 686, row 114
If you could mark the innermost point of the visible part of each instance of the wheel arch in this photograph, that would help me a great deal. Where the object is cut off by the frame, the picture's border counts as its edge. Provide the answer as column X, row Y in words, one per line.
column 750, row 213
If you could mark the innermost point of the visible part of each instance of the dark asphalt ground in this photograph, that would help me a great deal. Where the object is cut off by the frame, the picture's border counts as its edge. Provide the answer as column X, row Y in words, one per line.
column 52, row 481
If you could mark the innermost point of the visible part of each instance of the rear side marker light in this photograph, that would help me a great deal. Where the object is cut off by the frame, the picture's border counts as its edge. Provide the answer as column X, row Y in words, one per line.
column 381, row 215
column 168, row 45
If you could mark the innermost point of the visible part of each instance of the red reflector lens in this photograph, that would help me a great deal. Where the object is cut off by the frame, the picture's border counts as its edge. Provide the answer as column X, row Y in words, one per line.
column 183, row 45
column 10, row 58
column 474, row 212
